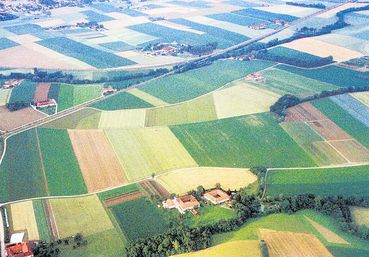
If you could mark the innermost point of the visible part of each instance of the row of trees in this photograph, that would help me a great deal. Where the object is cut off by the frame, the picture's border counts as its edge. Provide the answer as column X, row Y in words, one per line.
column 280, row 107
column 313, row 5
column 7, row 16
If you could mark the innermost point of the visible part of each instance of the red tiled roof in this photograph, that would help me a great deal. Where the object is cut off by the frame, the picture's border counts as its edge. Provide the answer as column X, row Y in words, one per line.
column 217, row 196
column 187, row 201
column 20, row 250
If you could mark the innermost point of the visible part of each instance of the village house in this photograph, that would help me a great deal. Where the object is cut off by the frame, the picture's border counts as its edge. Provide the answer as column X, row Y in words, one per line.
column 11, row 83
column 45, row 104
column 108, row 90
column 20, row 250
column 258, row 77
column 260, row 26
column 182, row 204
column 217, row 196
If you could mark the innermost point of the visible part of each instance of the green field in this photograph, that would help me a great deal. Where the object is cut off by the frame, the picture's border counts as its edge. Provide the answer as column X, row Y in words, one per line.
column 344, row 120
column 82, row 119
column 335, row 75
column 241, row 142
column 4, row 94
column 121, row 101
column 184, row 86
column 197, row 110
column 140, row 219
column 209, row 215
column 290, row 53
column 60, row 163
column 41, row 219
column 283, row 82
column 71, row 95
column 325, row 181
column 23, row 93
column 21, row 173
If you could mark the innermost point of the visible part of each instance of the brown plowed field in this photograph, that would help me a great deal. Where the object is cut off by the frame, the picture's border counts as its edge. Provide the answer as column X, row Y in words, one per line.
column 98, row 162
column 329, row 130
column 304, row 112
column 122, row 198
column 352, row 150
column 289, row 244
column 10, row 120
column 154, row 188
column 41, row 92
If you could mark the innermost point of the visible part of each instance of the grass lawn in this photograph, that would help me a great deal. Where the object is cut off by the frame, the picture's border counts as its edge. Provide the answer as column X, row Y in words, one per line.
column 241, row 142
column 349, row 180
column 185, row 86
column 121, row 101
column 21, row 174
column 344, row 120
column 209, row 214
column 140, row 219
column 41, row 219
column 60, row 163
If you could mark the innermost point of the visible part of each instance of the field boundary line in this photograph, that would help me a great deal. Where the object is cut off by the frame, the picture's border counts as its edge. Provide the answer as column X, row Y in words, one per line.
column 42, row 162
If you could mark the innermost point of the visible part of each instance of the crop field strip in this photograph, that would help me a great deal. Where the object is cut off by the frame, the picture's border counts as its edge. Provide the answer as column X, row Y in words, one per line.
column 10, row 120
column 362, row 97
column 4, row 95
column 351, row 180
column 45, row 232
column 144, row 151
column 182, row 181
column 119, row 199
column 99, row 164
column 293, row 244
column 122, row 119
column 86, row 118
column 328, row 235
column 23, row 218
column 41, row 92
column 152, row 187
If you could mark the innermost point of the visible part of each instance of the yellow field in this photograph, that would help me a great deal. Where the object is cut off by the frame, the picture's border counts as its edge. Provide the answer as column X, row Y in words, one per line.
column 4, row 94
column 144, row 151
column 242, row 248
column 290, row 244
column 183, row 180
column 360, row 215
column 362, row 97
column 23, row 218
column 241, row 99
column 328, row 235
column 323, row 49
column 147, row 97
column 84, row 215
column 131, row 118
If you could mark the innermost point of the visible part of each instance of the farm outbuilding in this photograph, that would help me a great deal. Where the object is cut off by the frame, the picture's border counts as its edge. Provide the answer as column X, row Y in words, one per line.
column 217, row 196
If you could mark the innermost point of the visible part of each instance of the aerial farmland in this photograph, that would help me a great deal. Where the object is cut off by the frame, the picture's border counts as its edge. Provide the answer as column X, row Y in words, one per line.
column 184, row 128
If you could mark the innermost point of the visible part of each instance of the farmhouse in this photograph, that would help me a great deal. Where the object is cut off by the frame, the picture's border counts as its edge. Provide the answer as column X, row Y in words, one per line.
column 183, row 203
column 217, row 196
column 108, row 90
column 44, row 104
column 258, row 77
column 20, row 250
column 11, row 83
column 260, row 26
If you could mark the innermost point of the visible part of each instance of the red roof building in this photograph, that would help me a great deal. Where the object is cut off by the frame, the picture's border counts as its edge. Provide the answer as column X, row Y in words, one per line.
column 20, row 250
column 48, row 103
column 183, row 203
column 11, row 83
column 217, row 196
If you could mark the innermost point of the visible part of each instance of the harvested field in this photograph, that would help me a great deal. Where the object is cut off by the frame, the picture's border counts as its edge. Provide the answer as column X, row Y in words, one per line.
column 10, row 120
column 183, row 180
column 352, row 150
column 23, row 218
column 328, row 235
column 147, row 97
column 132, row 118
column 328, row 130
column 84, row 215
column 241, row 248
column 152, row 187
column 290, row 244
column 41, row 92
column 242, row 98
column 304, row 112
column 362, row 97
column 323, row 49
column 360, row 215
column 99, row 165
column 4, row 94
column 144, row 151
column 122, row 198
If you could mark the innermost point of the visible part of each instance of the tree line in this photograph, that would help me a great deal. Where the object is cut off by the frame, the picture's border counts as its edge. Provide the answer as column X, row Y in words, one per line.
column 286, row 101
column 313, row 5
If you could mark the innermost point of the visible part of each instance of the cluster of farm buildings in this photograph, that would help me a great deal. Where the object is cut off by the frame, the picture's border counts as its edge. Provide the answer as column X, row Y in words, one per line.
column 188, row 202
column 18, row 248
